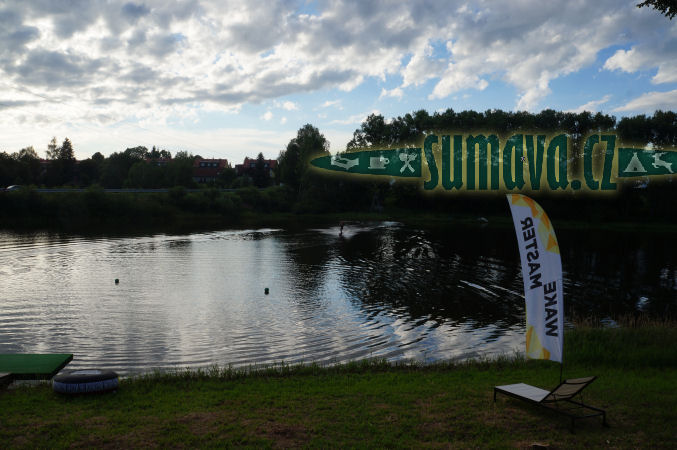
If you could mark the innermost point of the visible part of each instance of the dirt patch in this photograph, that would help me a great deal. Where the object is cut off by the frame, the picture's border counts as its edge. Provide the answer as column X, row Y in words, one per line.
column 535, row 445
column 20, row 441
column 97, row 422
column 202, row 423
column 284, row 435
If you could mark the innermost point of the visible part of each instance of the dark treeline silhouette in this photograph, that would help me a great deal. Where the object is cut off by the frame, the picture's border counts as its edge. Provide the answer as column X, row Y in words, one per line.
column 659, row 129
column 637, row 201
column 301, row 189
column 134, row 167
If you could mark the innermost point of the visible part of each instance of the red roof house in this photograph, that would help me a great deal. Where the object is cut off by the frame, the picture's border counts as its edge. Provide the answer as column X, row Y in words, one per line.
column 207, row 170
column 250, row 164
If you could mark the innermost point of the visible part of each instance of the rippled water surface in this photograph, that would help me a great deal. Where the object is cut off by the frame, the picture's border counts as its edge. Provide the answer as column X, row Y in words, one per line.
column 380, row 290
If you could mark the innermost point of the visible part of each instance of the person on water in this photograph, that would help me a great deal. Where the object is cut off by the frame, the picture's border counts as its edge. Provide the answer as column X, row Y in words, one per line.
column 341, row 228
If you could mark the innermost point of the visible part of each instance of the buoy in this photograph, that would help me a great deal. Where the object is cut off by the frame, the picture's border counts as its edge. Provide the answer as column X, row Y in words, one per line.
column 117, row 281
column 266, row 291
column 85, row 382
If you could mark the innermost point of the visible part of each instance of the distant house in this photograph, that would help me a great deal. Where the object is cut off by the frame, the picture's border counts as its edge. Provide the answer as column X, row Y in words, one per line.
column 249, row 164
column 208, row 170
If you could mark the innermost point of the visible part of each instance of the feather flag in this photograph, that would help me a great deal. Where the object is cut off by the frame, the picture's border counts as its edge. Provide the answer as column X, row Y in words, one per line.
column 542, row 274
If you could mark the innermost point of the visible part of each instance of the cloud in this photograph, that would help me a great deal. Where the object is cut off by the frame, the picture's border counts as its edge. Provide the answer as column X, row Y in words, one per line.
column 591, row 105
column 395, row 92
column 354, row 119
column 47, row 69
column 14, row 35
column 335, row 103
column 267, row 115
column 7, row 104
column 421, row 67
column 290, row 106
column 662, row 55
column 651, row 101
column 133, row 12
column 121, row 60
column 625, row 60
column 457, row 78
column 163, row 44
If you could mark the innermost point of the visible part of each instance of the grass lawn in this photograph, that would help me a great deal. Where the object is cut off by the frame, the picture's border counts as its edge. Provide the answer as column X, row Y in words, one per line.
column 369, row 404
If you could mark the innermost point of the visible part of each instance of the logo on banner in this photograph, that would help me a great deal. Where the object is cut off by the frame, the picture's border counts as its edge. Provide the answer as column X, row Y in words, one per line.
column 522, row 162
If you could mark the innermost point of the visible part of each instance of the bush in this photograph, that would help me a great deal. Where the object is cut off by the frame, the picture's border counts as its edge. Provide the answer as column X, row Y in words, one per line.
column 279, row 198
column 252, row 198
column 177, row 193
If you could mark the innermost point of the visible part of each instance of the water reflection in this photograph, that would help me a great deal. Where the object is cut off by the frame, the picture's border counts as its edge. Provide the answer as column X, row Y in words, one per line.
column 380, row 289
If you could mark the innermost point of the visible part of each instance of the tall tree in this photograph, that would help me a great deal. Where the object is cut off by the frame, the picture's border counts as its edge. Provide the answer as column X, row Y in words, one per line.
column 52, row 149
column 293, row 162
column 261, row 174
column 27, row 153
column 65, row 152
column 137, row 153
column 372, row 132
column 98, row 158
column 26, row 168
column 61, row 169
column 667, row 7
column 180, row 170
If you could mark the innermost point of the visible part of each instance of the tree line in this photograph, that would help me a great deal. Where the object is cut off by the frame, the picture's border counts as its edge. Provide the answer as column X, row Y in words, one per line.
column 636, row 201
column 121, row 169
column 135, row 167
column 304, row 190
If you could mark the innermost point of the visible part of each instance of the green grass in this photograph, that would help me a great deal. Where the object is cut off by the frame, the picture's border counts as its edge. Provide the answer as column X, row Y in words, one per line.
column 368, row 403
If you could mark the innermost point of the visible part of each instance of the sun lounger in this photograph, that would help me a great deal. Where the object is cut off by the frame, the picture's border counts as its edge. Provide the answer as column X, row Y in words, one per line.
column 5, row 379
column 561, row 399
column 33, row 366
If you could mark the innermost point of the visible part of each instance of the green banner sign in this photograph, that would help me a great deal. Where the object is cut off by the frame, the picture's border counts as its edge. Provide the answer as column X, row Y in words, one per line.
column 637, row 162
column 400, row 162
column 521, row 162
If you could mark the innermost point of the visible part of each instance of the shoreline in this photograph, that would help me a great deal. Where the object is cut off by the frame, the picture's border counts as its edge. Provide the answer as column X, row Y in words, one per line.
column 369, row 403
column 185, row 224
column 95, row 211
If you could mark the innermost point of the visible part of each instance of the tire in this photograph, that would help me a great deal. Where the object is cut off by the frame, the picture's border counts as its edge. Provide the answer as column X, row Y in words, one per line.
column 88, row 381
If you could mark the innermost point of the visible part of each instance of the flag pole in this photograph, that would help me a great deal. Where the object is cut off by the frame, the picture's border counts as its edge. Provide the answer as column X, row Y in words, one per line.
column 561, row 366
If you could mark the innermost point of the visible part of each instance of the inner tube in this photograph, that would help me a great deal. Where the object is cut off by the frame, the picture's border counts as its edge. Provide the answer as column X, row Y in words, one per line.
column 87, row 381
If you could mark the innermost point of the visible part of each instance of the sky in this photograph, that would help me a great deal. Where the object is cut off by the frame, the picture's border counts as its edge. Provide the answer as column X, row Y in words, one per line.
column 231, row 79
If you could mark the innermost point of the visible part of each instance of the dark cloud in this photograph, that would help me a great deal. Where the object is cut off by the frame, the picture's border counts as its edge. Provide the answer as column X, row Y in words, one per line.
column 14, row 35
column 9, row 17
column 162, row 45
column 8, row 104
column 14, row 41
column 105, row 101
column 133, row 12
column 109, row 44
column 137, row 39
column 69, row 17
column 171, row 11
column 271, row 85
column 143, row 80
column 21, row 36
column 276, row 19
column 140, row 74
column 53, row 69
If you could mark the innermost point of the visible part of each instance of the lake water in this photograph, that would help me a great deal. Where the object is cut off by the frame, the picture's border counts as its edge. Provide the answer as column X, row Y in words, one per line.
column 380, row 290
